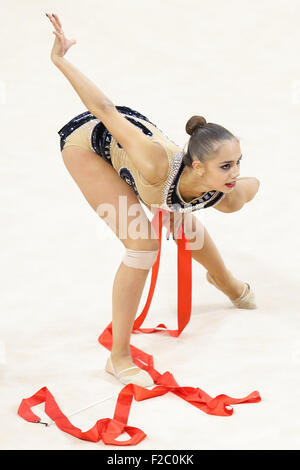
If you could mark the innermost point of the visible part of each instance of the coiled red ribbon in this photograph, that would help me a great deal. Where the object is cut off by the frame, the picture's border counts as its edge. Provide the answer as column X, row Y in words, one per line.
column 108, row 430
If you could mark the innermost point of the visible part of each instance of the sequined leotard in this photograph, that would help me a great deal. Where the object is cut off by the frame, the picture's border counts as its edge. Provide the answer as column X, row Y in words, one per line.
column 88, row 132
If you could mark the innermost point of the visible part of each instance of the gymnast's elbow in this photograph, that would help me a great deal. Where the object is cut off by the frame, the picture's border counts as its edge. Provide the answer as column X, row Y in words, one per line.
column 101, row 108
column 244, row 192
column 230, row 204
column 234, row 205
column 253, row 189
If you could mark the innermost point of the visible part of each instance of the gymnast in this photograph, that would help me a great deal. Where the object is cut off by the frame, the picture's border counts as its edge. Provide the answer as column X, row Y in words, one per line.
column 115, row 153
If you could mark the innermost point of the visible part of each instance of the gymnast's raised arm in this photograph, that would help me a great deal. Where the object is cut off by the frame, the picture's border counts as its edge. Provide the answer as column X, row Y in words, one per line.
column 150, row 158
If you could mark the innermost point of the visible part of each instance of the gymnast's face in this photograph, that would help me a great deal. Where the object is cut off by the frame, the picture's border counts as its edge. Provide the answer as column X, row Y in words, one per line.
column 221, row 168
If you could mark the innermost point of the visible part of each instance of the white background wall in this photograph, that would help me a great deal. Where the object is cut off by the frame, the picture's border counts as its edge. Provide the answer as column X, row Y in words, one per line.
column 237, row 64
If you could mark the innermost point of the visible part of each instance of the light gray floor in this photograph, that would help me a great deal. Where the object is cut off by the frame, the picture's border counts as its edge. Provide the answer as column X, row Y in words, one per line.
column 236, row 63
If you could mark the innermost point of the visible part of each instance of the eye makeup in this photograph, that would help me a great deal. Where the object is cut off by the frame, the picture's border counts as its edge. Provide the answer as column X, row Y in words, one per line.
column 227, row 166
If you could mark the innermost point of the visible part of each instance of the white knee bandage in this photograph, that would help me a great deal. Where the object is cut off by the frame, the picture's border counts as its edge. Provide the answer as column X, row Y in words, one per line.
column 140, row 259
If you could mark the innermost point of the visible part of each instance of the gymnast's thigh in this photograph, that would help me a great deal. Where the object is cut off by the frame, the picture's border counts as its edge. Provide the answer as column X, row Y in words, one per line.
column 110, row 196
column 81, row 137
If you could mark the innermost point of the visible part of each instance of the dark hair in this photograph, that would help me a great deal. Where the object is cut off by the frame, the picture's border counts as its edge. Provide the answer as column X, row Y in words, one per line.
column 206, row 138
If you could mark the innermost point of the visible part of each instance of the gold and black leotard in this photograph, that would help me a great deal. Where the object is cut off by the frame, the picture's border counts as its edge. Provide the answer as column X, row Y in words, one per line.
column 88, row 132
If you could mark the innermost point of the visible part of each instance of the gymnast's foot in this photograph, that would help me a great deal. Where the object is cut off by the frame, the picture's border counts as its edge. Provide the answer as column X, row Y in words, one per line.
column 124, row 369
column 239, row 292
column 231, row 287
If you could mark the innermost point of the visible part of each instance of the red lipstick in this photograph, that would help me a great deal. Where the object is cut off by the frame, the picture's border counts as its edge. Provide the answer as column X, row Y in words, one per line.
column 231, row 185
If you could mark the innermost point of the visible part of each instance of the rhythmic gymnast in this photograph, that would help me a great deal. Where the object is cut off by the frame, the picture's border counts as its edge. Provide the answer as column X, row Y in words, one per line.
column 113, row 152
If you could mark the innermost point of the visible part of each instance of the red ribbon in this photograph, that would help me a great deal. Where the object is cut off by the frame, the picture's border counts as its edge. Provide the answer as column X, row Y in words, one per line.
column 110, row 429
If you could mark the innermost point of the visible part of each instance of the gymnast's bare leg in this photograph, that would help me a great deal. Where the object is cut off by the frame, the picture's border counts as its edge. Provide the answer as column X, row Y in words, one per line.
column 101, row 184
column 208, row 255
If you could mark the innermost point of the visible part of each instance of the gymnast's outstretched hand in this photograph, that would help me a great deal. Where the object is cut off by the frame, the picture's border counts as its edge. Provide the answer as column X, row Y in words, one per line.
column 61, row 43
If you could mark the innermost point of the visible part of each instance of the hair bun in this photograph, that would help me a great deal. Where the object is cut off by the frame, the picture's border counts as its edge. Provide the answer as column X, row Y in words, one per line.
column 194, row 123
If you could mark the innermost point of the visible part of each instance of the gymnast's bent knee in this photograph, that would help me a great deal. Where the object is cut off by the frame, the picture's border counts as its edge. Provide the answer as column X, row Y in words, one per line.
column 140, row 259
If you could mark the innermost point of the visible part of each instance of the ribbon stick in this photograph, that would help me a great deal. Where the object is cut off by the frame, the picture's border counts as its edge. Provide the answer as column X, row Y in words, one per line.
column 86, row 407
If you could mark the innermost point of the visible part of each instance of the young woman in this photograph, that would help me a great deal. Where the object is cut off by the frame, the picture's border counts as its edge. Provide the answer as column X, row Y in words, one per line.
column 114, row 152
